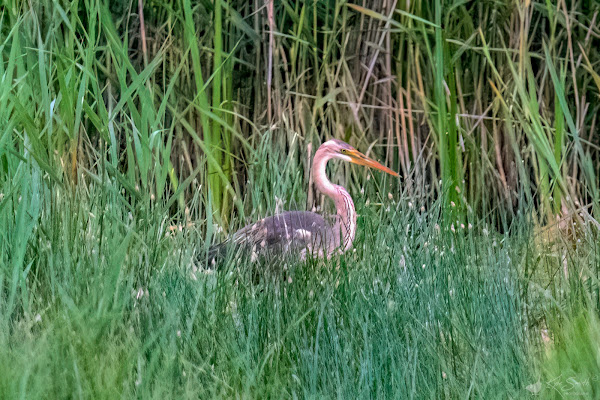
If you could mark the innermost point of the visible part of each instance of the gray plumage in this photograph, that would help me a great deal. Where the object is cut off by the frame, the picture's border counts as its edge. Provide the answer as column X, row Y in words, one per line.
column 293, row 232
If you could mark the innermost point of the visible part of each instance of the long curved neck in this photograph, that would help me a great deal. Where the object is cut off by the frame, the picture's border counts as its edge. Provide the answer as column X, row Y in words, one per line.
column 343, row 202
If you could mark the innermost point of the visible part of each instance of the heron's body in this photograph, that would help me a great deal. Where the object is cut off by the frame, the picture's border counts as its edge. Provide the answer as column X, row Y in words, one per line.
column 304, row 232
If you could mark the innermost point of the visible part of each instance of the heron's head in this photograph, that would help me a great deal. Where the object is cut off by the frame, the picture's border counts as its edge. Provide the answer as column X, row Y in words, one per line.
column 335, row 148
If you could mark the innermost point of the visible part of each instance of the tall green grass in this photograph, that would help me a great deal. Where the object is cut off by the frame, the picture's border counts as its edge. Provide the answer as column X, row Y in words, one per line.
column 102, row 300
column 112, row 306
column 497, row 101
column 127, row 148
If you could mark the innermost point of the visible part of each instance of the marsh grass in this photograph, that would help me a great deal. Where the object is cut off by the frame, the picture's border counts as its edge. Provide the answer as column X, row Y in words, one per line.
column 128, row 148
column 118, row 309
column 109, row 303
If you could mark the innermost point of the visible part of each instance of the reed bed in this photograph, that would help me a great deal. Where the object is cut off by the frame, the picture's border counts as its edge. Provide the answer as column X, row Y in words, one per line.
column 135, row 134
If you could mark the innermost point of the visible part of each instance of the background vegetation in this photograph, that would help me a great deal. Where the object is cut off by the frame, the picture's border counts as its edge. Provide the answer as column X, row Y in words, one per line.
column 135, row 134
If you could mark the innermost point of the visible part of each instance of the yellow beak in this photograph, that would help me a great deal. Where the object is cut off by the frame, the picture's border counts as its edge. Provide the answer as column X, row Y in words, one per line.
column 359, row 158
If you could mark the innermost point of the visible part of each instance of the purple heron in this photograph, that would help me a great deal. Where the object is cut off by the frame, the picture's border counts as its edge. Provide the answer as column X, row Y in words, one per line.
column 303, row 231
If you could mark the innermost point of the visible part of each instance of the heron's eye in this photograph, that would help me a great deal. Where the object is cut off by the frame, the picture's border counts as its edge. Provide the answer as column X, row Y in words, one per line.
column 343, row 151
